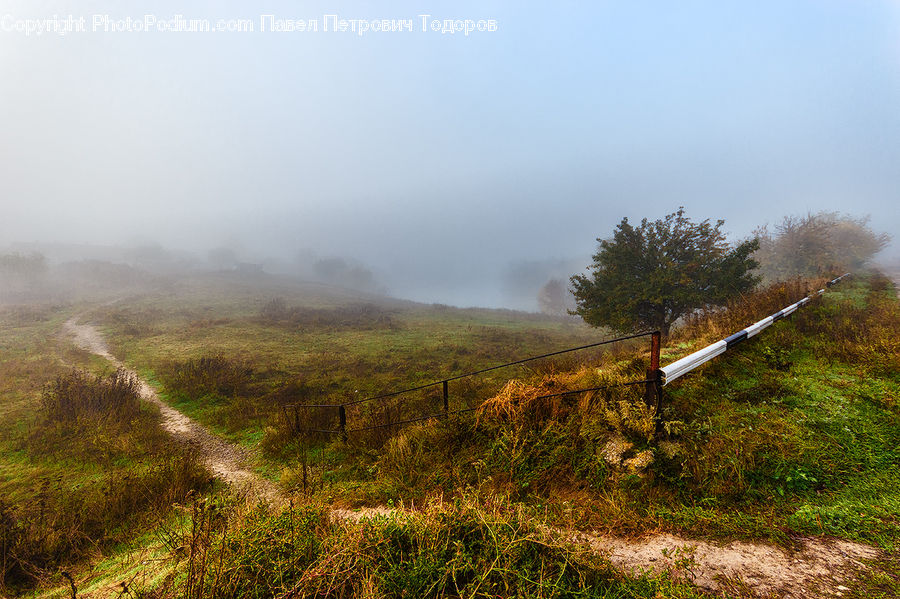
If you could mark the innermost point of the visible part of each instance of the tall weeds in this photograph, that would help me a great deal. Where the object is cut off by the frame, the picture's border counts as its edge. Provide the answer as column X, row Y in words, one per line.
column 78, row 395
column 214, row 374
column 356, row 316
column 864, row 329
column 719, row 322
column 464, row 548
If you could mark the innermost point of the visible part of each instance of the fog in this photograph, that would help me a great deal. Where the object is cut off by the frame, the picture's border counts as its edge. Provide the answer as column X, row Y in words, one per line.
column 449, row 167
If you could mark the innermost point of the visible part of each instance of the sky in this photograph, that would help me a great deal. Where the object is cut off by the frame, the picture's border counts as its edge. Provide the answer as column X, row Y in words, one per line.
column 441, row 159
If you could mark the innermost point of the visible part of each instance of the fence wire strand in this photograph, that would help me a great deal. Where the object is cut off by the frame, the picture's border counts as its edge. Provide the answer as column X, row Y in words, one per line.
column 463, row 411
column 498, row 367
column 443, row 382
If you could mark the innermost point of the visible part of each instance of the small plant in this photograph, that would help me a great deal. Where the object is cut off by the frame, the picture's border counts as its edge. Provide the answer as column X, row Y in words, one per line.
column 776, row 357
column 121, row 469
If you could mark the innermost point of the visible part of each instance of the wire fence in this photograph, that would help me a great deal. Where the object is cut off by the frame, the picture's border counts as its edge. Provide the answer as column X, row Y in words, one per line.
column 392, row 410
column 337, row 419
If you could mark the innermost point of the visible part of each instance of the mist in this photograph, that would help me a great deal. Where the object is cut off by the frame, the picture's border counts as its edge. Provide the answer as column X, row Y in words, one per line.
column 438, row 167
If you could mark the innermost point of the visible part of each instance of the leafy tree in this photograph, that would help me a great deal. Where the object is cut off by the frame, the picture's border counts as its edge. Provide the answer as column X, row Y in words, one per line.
column 817, row 244
column 651, row 275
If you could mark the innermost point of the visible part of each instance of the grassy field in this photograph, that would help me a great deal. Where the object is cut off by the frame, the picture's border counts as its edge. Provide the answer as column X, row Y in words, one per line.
column 66, row 483
column 233, row 364
column 796, row 433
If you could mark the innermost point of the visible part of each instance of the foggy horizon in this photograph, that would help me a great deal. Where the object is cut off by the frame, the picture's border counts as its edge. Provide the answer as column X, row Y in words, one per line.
column 442, row 161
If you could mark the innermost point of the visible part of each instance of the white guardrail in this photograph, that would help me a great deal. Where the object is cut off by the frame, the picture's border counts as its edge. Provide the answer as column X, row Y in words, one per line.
column 688, row 363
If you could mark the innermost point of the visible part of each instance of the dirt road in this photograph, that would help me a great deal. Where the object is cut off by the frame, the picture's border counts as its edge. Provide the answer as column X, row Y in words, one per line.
column 223, row 459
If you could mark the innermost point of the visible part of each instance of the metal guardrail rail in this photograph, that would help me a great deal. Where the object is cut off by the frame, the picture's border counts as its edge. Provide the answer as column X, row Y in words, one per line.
column 688, row 363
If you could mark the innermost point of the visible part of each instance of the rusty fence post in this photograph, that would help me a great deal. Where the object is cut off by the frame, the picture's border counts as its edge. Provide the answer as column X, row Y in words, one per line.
column 446, row 398
column 653, row 371
column 652, row 390
column 342, row 414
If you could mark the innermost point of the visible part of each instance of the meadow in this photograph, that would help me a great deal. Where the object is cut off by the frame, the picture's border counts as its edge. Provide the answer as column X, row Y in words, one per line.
column 794, row 435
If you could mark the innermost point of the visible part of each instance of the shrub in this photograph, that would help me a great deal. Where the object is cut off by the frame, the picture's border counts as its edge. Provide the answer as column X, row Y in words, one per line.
column 121, row 470
column 817, row 244
column 211, row 375
column 414, row 461
column 611, row 407
column 717, row 323
column 649, row 276
column 76, row 396
column 62, row 524
column 274, row 310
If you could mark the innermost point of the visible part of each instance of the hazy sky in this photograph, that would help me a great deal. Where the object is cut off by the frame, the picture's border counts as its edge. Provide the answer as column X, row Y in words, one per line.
column 440, row 158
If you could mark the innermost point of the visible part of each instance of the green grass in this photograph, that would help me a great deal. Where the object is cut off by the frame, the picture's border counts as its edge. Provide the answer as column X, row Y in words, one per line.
column 795, row 433
column 72, row 469
column 879, row 580
column 810, row 449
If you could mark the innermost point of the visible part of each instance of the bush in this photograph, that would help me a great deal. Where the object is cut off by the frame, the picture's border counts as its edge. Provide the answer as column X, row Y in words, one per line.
column 274, row 310
column 77, row 396
column 821, row 244
column 414, row 461
column 717, row 323
column 355, row 316
column 649, row 276
column 211, row 375
column 121, row 471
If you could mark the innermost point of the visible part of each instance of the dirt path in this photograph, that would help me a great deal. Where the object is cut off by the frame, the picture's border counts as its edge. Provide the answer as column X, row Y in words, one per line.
column 820, row 568
column 221, row 458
